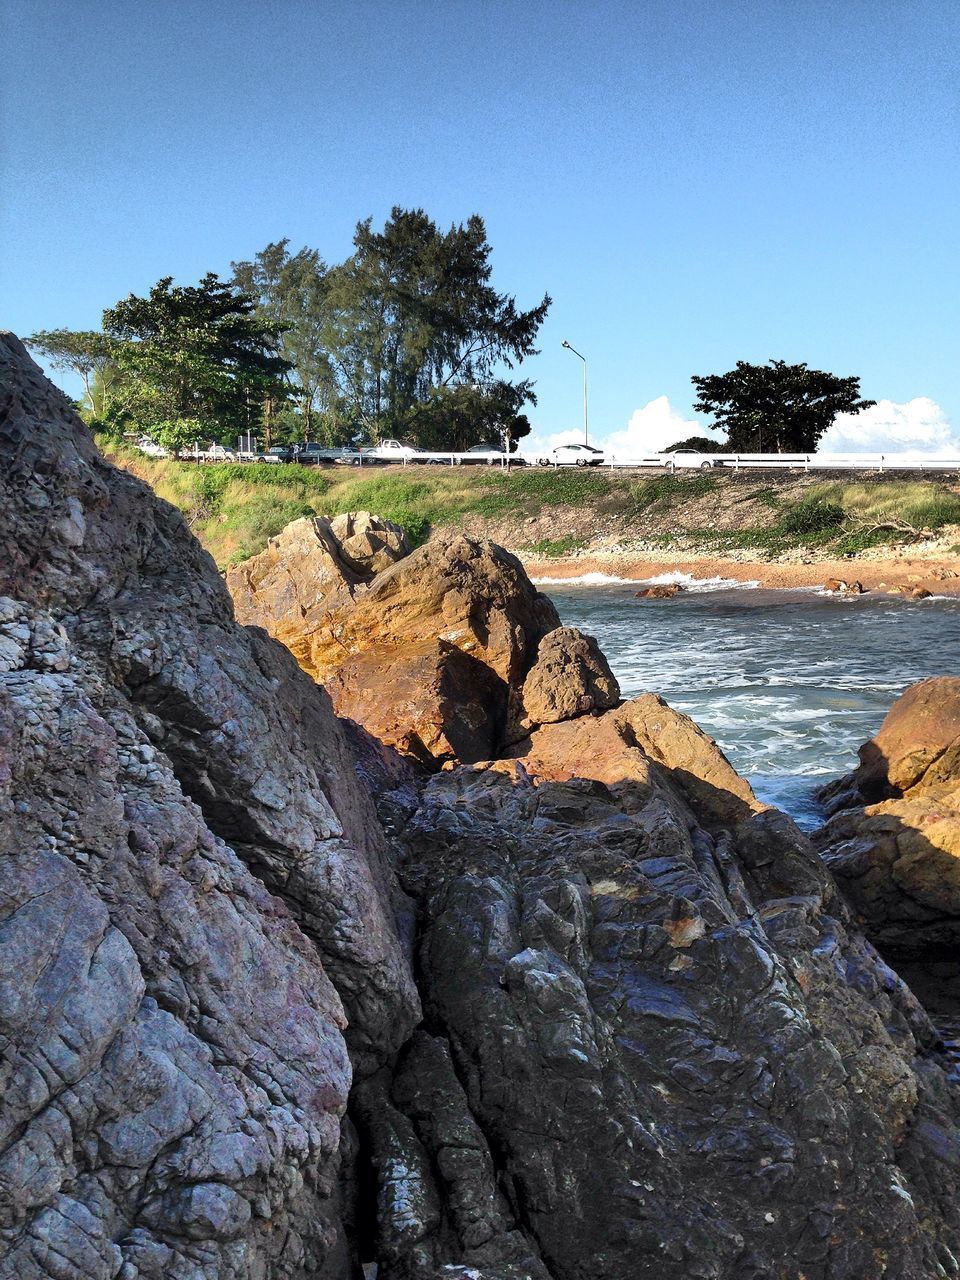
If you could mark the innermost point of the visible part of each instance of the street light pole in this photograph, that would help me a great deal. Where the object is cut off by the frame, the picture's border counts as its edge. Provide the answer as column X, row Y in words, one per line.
column 586, row 436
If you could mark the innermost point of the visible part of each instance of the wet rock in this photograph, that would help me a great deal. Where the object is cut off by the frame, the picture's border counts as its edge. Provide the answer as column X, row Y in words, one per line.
column 839, row 586
column 660, row 591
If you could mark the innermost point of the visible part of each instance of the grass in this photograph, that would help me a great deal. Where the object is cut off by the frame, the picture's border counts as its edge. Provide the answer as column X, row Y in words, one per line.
column 234, row 510
column 554, row 547
column 667, row 490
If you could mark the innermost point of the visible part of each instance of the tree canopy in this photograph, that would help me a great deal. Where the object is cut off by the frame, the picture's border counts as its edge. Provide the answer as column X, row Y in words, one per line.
column 407, row 337
column 776, row 407
column 197, row 359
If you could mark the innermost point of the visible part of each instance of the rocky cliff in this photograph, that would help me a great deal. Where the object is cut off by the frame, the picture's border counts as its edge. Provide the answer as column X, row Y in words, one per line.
column 279, row 998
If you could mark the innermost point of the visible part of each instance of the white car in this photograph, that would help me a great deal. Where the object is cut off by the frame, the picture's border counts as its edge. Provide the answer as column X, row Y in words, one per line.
column 687, row 458
column 391, row 451
column 147, row 446
column 573, row 455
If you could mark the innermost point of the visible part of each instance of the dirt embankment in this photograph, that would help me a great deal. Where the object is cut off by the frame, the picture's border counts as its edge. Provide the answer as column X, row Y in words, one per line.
column 890, row 532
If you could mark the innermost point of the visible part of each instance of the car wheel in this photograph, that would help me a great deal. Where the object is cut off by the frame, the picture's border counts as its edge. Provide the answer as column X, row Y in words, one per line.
column 355, row 462
column 582, row 462
column 706, row 466
column 543, row 462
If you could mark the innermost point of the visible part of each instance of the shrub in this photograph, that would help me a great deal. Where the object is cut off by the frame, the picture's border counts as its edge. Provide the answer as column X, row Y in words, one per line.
column 813, row 515
column 668, row 489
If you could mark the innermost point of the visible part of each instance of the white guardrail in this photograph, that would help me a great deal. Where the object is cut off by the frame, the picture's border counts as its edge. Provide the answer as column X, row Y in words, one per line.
column 794, row 461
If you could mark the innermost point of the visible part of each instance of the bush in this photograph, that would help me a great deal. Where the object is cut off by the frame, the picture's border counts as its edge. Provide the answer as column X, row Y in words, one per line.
column 813, row 515
column 668, row 489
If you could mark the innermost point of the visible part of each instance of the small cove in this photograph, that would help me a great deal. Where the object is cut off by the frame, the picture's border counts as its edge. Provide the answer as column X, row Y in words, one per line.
column 788, row 683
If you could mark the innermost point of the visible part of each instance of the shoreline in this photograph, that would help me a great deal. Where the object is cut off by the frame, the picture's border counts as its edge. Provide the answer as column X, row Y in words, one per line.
column 940, row 576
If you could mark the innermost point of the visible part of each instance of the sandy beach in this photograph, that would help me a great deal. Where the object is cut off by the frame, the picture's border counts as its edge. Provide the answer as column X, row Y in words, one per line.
column 940, row 575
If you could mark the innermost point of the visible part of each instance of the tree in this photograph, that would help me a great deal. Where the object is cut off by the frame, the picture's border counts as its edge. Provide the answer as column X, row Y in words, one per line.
column 200, row 362
column 93, row 356
column 776, row 407
column 413, row 316
column 291, row 293
column 699, row 444
column 458, row 416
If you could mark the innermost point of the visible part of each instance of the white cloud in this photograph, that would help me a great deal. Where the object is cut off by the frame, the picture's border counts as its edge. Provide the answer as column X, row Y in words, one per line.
column 917, row 426
column 650, row 430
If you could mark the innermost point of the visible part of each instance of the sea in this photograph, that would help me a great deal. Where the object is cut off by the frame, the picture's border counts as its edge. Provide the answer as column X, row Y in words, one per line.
column 789, row 683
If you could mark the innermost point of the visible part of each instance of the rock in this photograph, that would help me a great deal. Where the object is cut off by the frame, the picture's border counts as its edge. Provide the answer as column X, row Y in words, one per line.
column 918, row 744
column 432, row 702
column 196, row 894
column 569, row 678
column 893, row 841
column 283, row 587
column 368, row 543
column 468, row 592
column 660, row 591
column 671, row 1042
column 839, row 586
column 625, row 743
column 909, row 592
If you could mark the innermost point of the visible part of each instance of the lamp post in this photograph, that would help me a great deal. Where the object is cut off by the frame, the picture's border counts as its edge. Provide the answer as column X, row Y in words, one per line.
column 586, row 438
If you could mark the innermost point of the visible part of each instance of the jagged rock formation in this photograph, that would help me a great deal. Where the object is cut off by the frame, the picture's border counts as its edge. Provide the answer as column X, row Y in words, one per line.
column 174, row 1066
column 445, row 655
column 645, row 1039
column 893, row 841
column 283, row 586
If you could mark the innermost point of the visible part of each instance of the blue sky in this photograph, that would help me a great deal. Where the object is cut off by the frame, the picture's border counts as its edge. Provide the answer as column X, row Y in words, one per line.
column 693, row 182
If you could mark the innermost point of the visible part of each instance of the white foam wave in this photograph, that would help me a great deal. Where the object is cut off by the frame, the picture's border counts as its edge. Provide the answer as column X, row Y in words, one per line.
column 688, row 581
column 585, row 580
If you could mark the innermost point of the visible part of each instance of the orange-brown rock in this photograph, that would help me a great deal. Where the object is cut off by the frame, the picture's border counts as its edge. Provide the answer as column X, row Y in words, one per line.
column 432, row 702
column 621, row 744
column 569, row 678
column 840, row 586
column 918, row 744
column 284, row 587
column 467, row 591
column 897, row 857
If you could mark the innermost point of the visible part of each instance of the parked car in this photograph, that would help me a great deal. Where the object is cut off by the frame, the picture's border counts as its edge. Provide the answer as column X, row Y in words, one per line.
column 152, row 450
column 688, row 458
column 391, row 451
column 489, row 453
column 221, row 453
column 573, row 455
column 278, row 453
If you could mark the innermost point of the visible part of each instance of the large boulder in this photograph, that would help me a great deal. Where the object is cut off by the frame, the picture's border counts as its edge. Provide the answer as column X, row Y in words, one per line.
column 468, row 592
column 196, row 895
column 569, row 678
column 282, row 588
column 917, row 748
column 893, row 837
column 652, row 1047
column 626, row 743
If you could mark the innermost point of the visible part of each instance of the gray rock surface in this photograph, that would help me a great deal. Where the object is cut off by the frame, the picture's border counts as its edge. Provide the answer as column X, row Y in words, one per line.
column 174, row 1063
column 646, row 1038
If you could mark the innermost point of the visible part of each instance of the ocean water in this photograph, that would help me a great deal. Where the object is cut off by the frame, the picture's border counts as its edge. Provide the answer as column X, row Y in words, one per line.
column 789, row 683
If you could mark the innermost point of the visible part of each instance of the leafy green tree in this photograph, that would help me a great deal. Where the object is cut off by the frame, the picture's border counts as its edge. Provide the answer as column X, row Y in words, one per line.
column 291, row 292
column 199, row 361
column 776, row 407
column 462, row 415
column 412, row 316
column 699, row 444
column 94, row 357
